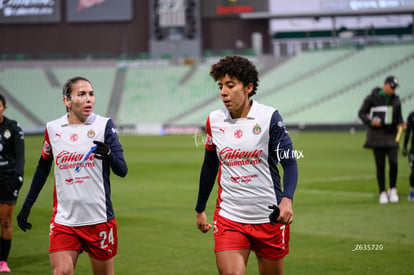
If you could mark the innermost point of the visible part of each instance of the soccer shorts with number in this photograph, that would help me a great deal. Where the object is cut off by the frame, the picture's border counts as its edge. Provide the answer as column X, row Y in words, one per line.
column 100, row 241
column 266, row 240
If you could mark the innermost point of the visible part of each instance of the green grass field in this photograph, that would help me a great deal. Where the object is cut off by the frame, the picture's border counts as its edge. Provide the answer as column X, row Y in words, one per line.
column 336, row 210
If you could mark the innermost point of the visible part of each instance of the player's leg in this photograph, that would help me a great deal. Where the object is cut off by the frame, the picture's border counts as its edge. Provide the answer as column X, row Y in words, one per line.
column 231, row 245
column 64, row 248
column 393, row 163
column 63, row 262
column 411, row 164
column 102, row 267
column 6, row 211
column 7, row 203
column 267, row 266
column 411, row 177
column 271, row 245
column 101, row 243
column 379, row 155
column 232, row 261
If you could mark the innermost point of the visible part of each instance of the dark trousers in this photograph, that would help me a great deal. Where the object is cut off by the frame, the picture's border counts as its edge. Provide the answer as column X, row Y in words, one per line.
column 411, row 161
column 380, row 155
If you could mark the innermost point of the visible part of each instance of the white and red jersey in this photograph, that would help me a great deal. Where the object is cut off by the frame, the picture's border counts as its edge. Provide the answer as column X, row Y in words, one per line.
column 80, row 198
column 248, row 150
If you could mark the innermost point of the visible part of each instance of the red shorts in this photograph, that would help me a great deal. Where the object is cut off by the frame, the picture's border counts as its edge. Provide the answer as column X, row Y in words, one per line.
column 100, row 241
column 266, row 240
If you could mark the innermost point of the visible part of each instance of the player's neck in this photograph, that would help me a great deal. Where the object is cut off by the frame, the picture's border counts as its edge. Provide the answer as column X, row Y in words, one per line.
column 242, row 112
column 73, row 119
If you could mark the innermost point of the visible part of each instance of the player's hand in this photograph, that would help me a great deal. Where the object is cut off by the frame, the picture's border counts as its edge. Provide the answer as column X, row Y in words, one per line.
column 286, row 211
column 103, row 151
column 19, row 182
column 275, row 214
column 376, row 122
column 22, row 219
column 404, row 151
column 202, row 222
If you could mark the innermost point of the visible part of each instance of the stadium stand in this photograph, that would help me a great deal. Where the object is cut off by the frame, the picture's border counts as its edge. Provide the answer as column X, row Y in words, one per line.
column 340, row 77
column 30, row 88
column 34, row 88
column 151, row 93
column 102, row 80
column 333, row 111
column 319, row 87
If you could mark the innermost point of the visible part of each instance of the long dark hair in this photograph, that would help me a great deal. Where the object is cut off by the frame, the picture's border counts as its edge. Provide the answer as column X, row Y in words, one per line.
column 3, row 100
column 67, row 88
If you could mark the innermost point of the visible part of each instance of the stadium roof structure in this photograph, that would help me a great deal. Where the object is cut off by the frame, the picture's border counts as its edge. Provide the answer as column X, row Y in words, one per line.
column 330, row 14
column 269, row 15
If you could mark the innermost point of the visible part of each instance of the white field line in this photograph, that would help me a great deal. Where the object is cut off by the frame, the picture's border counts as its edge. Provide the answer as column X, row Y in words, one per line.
column 335, row 193
column 336, row 179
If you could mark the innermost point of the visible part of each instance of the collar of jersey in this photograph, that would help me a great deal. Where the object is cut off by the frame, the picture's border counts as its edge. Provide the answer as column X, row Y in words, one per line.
column 251, row 115
column 88, row 121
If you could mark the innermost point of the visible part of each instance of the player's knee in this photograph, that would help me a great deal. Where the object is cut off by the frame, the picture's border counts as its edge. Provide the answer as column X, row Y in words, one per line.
column 393, row 165
column 62, row 270
column 6, row 224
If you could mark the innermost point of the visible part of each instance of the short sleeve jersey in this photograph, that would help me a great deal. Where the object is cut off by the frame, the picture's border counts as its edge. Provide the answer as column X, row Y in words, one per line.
column 247, row 150
column 83, row 197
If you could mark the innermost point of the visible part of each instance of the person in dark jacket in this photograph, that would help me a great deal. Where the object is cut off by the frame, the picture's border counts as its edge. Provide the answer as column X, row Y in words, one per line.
column 11, row 179
column 381, row 113
column 410, row 132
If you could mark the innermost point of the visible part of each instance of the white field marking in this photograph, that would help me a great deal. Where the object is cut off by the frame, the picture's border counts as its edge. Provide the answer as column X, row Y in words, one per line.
column 338, row 179
column 337, row 192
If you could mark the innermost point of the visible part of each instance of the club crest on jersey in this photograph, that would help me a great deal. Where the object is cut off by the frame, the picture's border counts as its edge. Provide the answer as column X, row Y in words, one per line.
column 7, row 134
column 91, row 133
column 209, row 140
column 46, row 148
column 257, row 129
column 74, row 137
column 238, row 134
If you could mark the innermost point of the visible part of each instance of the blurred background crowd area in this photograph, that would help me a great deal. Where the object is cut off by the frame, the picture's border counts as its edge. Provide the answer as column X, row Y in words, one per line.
column 149, row 61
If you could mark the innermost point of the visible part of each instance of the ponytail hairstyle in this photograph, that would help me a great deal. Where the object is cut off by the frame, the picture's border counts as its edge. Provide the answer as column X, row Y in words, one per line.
column 3, row 100
column 67, row 87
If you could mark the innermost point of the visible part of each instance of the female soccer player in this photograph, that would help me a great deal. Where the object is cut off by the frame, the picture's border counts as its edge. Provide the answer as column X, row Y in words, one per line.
column 245, row 142
column 11, row 178
column 84, row 147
